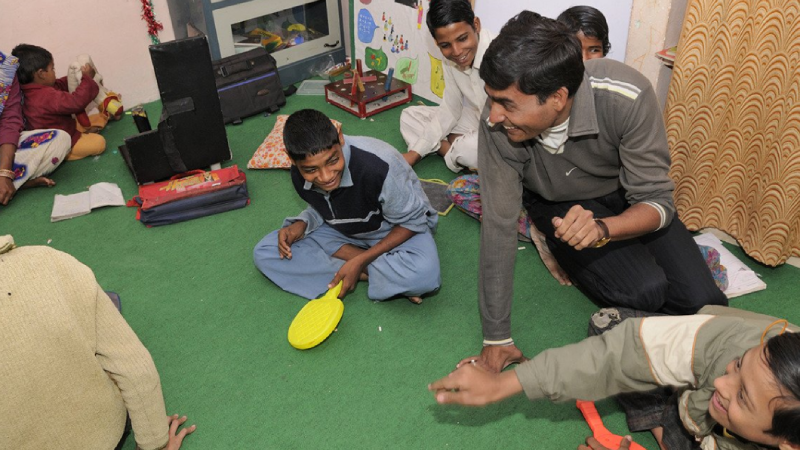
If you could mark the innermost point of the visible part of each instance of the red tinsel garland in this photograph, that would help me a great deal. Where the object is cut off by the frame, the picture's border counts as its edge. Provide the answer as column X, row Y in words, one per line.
column 153, row 26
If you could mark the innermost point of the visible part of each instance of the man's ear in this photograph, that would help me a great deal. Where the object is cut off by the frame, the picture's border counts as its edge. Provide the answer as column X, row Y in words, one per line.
column 477, row 25
column 560, row 98
column 341, row 137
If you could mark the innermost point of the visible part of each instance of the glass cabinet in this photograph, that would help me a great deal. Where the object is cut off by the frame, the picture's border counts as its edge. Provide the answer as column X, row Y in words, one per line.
column 299, row 34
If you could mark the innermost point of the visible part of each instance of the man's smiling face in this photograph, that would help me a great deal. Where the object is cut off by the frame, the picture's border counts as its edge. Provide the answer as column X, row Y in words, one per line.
column 523, row 116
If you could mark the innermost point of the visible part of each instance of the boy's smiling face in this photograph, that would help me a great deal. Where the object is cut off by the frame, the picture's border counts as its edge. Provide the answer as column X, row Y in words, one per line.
column 746, row 397
column 459, row 42
column 324, row 169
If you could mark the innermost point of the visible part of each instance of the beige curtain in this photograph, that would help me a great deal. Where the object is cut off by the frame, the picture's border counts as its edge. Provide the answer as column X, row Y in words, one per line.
column 733, row 123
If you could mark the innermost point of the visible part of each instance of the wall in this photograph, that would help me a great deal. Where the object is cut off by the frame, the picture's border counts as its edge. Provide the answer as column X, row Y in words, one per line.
column 655, row 25
column 494, row 13
column 348, row 42
column 111, row 31
column 392, row 34
column 637, row 29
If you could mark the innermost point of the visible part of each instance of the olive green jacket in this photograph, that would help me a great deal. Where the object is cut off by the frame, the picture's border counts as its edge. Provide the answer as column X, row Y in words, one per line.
column 685, row 352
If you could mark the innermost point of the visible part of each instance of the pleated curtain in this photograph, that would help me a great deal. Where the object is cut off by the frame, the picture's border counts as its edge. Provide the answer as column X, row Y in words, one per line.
column 733, row 123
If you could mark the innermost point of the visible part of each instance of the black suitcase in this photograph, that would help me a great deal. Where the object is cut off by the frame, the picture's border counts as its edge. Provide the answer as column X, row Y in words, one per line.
column 247, row 84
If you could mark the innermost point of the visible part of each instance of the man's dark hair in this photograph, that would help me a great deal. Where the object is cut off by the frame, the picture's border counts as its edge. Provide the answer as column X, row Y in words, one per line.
column 308, row 132
column 31, row 58
column 588, row 20
column 538, row 54
column 442, row 13
column 783, row 359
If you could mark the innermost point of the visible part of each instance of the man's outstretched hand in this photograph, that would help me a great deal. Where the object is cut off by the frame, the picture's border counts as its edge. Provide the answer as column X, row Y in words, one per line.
column 473, row 385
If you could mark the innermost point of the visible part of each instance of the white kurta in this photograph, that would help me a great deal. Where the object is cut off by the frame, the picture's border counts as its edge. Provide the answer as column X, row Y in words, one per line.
column 424, row 127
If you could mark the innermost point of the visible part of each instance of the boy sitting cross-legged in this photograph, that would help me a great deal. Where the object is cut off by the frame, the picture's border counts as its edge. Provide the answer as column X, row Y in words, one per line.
column 367, row 218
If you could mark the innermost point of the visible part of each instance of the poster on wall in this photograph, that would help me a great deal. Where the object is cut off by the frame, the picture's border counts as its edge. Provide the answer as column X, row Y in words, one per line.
column 393, row 34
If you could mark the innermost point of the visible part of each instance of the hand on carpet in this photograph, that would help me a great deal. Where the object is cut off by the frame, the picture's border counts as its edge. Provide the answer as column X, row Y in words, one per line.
column 495, row 358
column 175, row 436
column 473, row 385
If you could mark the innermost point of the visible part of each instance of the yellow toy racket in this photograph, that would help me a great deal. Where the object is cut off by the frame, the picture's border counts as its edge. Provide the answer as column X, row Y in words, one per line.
column 317, row 320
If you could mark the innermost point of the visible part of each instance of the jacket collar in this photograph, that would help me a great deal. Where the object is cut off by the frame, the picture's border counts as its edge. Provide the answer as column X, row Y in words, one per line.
column 485, row 38
column 583, row 115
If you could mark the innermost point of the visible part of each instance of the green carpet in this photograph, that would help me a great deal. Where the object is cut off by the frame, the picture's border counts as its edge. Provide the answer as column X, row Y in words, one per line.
column 217, row 328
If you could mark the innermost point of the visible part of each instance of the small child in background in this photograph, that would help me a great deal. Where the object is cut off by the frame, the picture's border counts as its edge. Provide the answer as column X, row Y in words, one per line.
column 49, row 104
column 590, row 27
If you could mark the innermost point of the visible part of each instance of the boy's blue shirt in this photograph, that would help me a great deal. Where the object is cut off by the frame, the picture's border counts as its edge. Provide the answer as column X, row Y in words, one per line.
column 400, row 198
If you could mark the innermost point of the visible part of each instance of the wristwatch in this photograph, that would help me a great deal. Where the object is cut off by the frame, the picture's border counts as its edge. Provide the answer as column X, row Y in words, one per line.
column 606, row 235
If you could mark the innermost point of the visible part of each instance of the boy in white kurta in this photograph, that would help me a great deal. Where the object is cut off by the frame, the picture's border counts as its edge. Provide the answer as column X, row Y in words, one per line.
column 451, row 129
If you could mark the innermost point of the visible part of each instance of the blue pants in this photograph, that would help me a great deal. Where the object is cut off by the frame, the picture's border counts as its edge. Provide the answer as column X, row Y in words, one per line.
column 410, row 269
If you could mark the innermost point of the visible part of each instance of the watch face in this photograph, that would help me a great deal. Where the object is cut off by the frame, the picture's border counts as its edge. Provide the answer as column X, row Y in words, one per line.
column 601, row 242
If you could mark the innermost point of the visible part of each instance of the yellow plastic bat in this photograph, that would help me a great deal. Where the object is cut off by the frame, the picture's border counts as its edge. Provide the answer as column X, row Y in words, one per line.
column 317, row 320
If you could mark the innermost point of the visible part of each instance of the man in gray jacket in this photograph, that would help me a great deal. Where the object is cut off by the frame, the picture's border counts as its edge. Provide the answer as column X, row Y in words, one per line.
column 585, row 151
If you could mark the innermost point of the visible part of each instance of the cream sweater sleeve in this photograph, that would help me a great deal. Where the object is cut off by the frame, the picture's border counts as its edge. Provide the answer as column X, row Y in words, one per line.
column 129, row 364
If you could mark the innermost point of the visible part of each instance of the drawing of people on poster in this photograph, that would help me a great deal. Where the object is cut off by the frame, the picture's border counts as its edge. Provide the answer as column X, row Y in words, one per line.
column 395, row 36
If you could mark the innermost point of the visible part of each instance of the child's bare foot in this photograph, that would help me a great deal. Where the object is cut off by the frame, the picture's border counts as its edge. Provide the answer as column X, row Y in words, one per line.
column 415, row 300
column 548, row 258
column 37, row 182
column 412, row 157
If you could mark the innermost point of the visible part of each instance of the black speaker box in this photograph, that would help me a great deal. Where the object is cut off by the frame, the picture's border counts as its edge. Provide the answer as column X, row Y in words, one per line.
column 191, row 132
